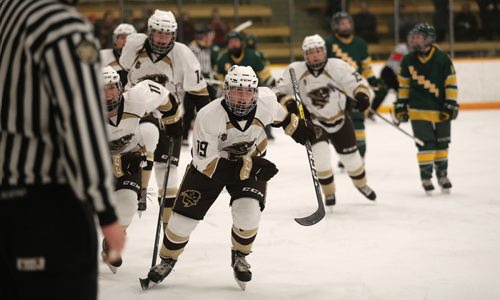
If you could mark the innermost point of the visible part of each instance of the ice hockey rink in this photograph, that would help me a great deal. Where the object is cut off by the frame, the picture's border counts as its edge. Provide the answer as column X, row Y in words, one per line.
column 405, row 246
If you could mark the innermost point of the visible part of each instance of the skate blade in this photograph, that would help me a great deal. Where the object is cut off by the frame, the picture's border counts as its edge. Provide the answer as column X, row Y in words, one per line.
column 112, row 268
column 146, row 283
column 139, row 212
column 330, row 208
column 445, row 191
column 428, row 193
column 241, row 284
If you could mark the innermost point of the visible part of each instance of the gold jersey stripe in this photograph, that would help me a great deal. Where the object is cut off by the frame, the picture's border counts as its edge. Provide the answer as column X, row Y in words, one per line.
column 451, row 94
column 431, row 87
column 451, row 80
column 425, row 115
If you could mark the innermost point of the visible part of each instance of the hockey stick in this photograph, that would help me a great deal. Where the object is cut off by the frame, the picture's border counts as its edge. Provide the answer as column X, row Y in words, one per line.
column 145, row 281
column 320, row 212
column 243, row 26
column 415, row 139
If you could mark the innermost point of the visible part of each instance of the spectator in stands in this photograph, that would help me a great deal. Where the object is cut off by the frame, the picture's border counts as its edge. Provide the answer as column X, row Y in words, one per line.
column 465, row 24
column 332, row 7
column 441, row 18
column 366, row 24
column 489, row 12
column 104, row 29
column 405, row 22
column 220, row 27
column 187, row 29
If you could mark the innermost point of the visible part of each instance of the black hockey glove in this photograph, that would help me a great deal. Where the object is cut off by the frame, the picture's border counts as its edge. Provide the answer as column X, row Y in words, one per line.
column 401, row 111
column 304, row 132
column 174, row 130
column 362, row 101
column 131, row 162
column 262, row 169
column 449, row 111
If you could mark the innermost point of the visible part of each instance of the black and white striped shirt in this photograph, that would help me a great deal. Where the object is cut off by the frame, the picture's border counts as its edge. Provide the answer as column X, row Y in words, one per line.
column 204, row 56
column 52, row 128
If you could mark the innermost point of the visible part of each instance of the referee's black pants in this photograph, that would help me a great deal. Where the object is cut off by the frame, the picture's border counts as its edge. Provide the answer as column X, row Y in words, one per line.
column 48, row 244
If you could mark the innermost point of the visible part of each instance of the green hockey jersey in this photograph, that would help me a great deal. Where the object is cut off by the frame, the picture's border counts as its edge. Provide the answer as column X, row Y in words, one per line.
column 352, row 50
column 248, row 58
column 426, row 83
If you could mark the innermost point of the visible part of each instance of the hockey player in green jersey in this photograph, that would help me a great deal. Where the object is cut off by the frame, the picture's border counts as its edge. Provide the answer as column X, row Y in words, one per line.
column 353, row 50
column 428, row 98
column 238, row 54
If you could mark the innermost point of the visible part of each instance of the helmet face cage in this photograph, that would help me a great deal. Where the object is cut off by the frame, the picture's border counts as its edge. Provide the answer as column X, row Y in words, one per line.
column 336, row 18
column 313, row 42
column 427, row 31
column 162, row 21
column 240, row 90
column 111, row 77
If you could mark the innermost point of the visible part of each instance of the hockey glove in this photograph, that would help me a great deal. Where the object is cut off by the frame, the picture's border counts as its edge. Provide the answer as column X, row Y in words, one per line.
column 449, row 111
column 256, row 168
column 174, row 130
column 401, row 111
column 362, row 101
column 304, row 132
column 127, row 163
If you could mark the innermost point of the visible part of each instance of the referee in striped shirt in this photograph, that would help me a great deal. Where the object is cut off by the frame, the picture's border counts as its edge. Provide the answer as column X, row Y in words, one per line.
column 55, row 166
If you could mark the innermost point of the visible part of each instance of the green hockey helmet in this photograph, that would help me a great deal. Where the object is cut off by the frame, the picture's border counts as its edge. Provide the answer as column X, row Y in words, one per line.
column 336, row 18
column 425, row 29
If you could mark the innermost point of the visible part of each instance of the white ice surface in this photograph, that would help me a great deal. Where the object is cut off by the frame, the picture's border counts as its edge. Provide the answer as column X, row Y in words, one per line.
column 405, row 246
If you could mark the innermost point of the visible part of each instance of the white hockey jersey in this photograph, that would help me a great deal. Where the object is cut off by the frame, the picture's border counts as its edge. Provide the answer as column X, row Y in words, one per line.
column 325, row 105
column 216, row 136
column 179, row 69
column 108, row 58
column 123, row 130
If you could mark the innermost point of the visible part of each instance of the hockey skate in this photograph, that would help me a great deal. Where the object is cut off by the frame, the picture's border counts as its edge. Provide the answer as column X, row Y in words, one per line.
column 330, row 200
column 241, row 268
column 428, row 186
column 142, row 205
column 104, row 254
column 367, row 192
column 161, row 270
column 445, row 184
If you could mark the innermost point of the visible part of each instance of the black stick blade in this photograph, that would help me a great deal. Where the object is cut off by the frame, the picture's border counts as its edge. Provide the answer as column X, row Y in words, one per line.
column 144, row 283
column 317, row 216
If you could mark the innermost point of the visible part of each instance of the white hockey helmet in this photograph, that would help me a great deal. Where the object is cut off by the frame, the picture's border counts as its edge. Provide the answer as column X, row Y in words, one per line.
column 111, row 77
column 313, row 42
column 240, row 90
column 123, row 28
column 163, row 21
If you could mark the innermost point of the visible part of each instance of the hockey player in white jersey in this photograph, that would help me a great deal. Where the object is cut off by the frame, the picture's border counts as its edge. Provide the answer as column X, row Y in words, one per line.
column 230, row 144
column 132, row 154
column 317, row 78
column 157, row 56
column 111, row 57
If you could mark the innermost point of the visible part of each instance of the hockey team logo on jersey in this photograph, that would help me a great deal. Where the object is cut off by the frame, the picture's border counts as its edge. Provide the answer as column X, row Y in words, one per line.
column 320, row 96
column 237, row 150
column 223, row 136
column 118, row 144
column 190, row 198
column 158, row 78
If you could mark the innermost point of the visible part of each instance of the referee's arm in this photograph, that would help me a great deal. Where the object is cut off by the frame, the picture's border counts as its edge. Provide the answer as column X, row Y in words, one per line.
column 73, row 80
